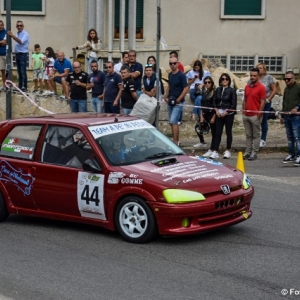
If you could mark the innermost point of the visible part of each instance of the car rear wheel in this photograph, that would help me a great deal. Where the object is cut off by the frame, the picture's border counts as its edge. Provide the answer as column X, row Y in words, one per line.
column 135, row 220
column 3, row 210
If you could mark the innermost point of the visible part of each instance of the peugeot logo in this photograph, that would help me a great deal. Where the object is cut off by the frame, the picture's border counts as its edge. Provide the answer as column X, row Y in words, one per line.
column 225, row 189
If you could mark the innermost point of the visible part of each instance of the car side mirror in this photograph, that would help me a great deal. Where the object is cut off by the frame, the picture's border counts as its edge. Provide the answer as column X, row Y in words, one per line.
column 91, row 166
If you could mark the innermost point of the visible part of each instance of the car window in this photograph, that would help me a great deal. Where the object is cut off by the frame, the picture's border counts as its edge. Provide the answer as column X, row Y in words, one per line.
column 21, row 141
column 66, row 146
column 132, row 142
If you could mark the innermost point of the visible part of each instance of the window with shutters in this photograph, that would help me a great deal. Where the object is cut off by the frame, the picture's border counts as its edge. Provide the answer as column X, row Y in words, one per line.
column 139, row 19
column 245, row 9
column 28, row 7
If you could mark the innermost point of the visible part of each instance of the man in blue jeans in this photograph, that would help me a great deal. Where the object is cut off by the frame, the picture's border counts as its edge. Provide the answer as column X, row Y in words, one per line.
column 77, row 82
column 96, row 82
column 291, row 117
column 21, row 50
column 112, row 90
column 177, row 88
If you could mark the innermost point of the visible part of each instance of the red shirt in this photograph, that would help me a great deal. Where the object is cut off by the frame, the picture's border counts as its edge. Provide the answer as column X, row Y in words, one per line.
column 253, row 95
column 180, row 67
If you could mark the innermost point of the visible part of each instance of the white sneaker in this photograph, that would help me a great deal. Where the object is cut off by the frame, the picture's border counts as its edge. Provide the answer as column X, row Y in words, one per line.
column 208, row 153
column 262, row 143
column 227, row 154
column 46, row 93
column 200, row 145
column 62, row 98
column 214, row 155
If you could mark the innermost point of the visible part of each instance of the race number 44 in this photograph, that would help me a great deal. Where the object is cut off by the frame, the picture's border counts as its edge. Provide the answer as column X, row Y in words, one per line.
column 90, row 195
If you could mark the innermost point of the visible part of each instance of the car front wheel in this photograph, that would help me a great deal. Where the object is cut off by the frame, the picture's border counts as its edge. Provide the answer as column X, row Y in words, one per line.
column 135, row 220
column 3, row 210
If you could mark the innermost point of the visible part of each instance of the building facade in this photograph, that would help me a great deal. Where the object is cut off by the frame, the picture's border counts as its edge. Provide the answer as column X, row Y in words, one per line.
column 238, row 33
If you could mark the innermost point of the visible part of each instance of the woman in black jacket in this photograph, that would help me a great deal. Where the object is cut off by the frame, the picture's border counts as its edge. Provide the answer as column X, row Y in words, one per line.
column 224, row 102
column 208, row 114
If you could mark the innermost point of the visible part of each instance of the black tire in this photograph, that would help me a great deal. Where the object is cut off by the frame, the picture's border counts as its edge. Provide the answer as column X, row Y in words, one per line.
column 3, row 210
column 135, row 221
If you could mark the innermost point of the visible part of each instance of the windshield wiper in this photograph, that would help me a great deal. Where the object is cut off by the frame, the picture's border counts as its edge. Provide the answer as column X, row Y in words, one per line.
column 160, row 154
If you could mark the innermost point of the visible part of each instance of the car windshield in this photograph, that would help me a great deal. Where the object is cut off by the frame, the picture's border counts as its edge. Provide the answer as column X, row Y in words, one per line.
column 133, row 144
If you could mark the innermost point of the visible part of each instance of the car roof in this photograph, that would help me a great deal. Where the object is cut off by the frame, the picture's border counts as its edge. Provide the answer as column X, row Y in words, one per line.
column 86, row 119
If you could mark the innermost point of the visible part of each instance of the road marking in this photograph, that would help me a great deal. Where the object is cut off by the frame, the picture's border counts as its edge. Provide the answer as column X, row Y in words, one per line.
column 282, row 180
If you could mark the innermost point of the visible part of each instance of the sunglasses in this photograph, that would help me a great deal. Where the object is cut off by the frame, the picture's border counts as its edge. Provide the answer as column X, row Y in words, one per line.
column 19, row 26
column 173, row 63
column 207, row 82
column 224, row 79
column 109, row 67
column 287, row 79
column 148, row 65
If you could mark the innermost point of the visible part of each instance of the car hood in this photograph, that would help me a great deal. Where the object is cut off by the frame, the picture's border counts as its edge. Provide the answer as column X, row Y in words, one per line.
column 187, row 172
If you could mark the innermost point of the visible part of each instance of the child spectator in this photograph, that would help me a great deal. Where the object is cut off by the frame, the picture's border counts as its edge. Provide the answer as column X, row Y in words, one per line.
column 37, row 65
column 48, row 60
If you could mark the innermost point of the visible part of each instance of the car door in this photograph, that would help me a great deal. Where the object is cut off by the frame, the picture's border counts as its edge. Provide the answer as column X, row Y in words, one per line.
column 16, row 164
column 59, row 172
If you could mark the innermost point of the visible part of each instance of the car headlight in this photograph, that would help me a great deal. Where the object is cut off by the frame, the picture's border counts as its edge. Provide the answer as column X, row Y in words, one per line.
column 246, row 182
column 182, row 196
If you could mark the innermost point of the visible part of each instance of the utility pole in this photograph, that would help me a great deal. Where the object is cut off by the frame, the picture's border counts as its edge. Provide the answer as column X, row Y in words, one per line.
column 157, row 63
column 8, row 58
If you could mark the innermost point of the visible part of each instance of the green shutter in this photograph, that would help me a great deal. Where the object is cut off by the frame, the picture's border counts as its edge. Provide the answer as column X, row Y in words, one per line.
column 139, row 13
column 25, row 5
column 243, row 7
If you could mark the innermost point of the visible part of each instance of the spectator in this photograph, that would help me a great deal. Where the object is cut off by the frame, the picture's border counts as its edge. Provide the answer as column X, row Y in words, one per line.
column 176, row 91
column 93, row 46
column 129, row 96
column 112, row 90
column 195, row 79
column 291, row 120
column 136, row 71
column 125, row 60
column 77, row 84
column 21, row 50
column 2, row 54
column 181, row 69
column 208, row 114
column 224, row 102
column 48, row 59
column 151, row 60
column 38, row 68
column 269, row 82
column 180, row 65
column 96, row 82
column 59, row 73
column 254, row 100
column 149, row 81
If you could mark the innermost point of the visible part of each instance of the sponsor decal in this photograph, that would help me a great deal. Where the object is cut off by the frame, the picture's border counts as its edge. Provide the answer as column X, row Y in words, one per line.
column 22, row 181
column 102, row 130
column 223, row 176
column 10, row 145
column 119, row 177
column 189, row 170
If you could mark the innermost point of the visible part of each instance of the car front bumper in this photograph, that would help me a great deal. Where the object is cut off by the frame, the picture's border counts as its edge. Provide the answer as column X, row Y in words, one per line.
column 191, row 218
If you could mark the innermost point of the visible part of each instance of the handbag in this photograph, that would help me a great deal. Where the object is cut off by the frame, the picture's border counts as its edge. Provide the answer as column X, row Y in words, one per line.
column 197, row 91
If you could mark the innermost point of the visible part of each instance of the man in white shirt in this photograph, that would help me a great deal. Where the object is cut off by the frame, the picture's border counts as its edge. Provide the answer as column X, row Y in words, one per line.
column 125, row 60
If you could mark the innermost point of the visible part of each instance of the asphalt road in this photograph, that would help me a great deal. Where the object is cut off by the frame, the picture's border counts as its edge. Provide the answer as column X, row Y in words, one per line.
column 43, row 260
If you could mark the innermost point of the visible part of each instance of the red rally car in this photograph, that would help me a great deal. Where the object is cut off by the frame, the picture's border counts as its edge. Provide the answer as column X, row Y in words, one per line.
column 118, row 172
